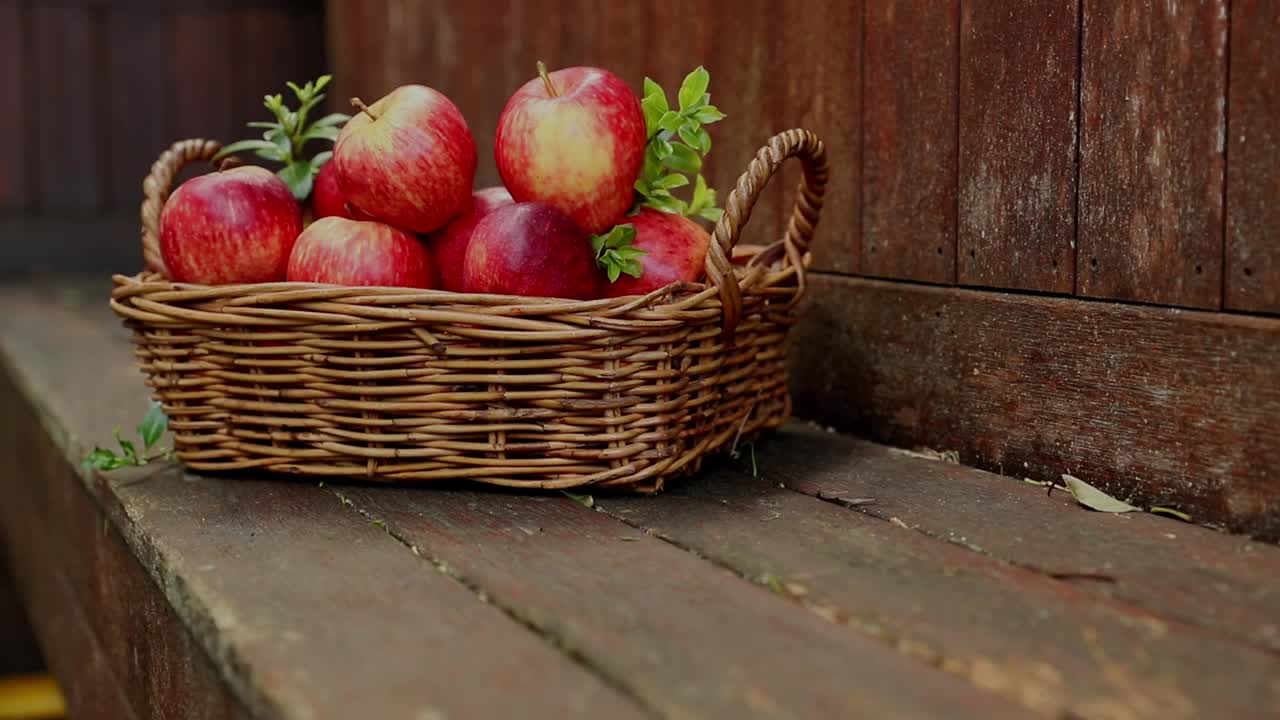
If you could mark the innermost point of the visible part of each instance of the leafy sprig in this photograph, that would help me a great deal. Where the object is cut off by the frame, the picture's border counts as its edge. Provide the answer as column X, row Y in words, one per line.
column 284, row 139
column 615, row 253
column 677, row 143
column 150, row 430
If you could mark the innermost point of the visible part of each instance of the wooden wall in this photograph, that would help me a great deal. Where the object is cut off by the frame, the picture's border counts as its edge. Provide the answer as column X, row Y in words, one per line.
column 95, row 89
column 1113, row 155
column 1058, row 146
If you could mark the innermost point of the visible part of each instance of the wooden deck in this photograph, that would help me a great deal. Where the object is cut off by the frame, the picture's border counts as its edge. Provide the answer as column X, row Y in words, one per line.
column 817, row 576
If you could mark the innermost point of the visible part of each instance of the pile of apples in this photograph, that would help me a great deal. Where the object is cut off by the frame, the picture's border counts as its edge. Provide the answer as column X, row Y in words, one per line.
column 585, row 211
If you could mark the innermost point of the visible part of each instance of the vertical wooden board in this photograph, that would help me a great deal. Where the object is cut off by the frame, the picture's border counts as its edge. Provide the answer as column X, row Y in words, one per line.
column 355, row 54
column 202, row 51
column 1019, row 65
column 65, row 71
column 1151, row 154
column 13, row 125
column 909, row 135
column 1253, row 158
column 274, row 46
column 140, row 102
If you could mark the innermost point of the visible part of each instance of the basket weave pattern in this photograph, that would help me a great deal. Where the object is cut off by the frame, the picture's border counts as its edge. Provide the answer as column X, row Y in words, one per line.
column 398, row 384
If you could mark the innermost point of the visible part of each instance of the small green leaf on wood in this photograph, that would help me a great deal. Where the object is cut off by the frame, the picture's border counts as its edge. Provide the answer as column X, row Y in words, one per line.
column 153, row 425
column 1093, row 498
column 103, row 459
column 1171, row 513
column 584, row 500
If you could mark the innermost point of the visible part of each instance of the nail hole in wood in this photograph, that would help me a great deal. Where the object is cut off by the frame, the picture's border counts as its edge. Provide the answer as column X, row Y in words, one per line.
column 939, row 251
column 1248, row 272
column 1093, row 262
column 972, row 254
column 1199, row 270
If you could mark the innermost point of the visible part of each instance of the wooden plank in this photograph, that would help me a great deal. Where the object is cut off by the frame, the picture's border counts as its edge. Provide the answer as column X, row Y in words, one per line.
column 274, row 46
column 1192, row 575
column 1172, row 408
column 1253, row 166
column 65, row 65
column 909, row 139
column 13, row 125
column 1054, row 647
column 1151, row 153
column 202, row 50
column 137, row 45
column 688, row 638
column 102, row 619
column 21, row 654
column 1019, row 65
column 69, row 245
column 270, row 578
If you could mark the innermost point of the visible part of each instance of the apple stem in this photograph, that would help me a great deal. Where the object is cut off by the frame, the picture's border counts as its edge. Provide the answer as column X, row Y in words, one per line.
column 546, row 79
column 357, row 102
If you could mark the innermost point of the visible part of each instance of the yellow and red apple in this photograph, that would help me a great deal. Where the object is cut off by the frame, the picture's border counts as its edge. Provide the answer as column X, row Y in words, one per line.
column 339, row 251
column 575, row 139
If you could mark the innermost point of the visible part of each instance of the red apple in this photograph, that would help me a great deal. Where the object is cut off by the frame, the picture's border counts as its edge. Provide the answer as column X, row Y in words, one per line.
column 327, row 199
column 231, row 226
column 408, row 159
column 339, row 251
column 531, row 249
column 449, row 244
column 675, row 250
column 575, row 139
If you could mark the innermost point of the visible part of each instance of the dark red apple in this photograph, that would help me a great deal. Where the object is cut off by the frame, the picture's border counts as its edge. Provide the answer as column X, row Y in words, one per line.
column 575, row 139
column 327, row 199
column 449, row 244
column 531, row 249
column 339, row 251
column 675, row 251
column 408, row 159
column 231, row 226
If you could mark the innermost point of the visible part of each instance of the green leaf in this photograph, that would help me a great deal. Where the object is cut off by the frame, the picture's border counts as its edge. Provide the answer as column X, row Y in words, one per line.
column 693, row 87
column 1093, row 498
column 666, row 204
column 302, row 95
column 653, row 112
column 708, row 114
column 670, row 121
column 652, row 88
column 102, row 459
column 689, row 135
column 320, row 159
column 712, row 213
column 299, row 176
column 662, row 148
column 258, row 145
column 671, row 181
column 332, row 120
column 262, row 124
column 153, row 426
column 1171, row 513
column 703, row 196
column 319, row 133
column 130, row 452
column 683, row 159
column 585, row 500
column 322, row 82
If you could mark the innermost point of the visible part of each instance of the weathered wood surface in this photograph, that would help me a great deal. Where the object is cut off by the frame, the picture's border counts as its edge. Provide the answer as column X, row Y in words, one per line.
column 689, row 639
column 67, row 163
column 140, row 76
column 1191, row 574
column 1174, row 408
column 1253, row 150
column 200, row 48
column 13, row 76
column 21, row 654
column 909, row 136
column 1051, row 645
column 1152, row 152
column 1019, row 72
column 306, row 608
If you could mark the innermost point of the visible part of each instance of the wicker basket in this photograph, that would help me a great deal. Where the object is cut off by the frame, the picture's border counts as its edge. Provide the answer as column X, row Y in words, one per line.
column 396, row 384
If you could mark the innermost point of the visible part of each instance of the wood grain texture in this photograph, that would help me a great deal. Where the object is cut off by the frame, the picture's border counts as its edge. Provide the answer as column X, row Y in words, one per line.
column 1018, row 632
column 114, row 642
column 71, row 244
column 140, row 102
column 1151, row 172
column 1019, row 66
column 21, row 654
column 688, row 638
column 67, row 140
column 1168, row 407
column 13, row 125
column 202, row 51
column 271, row 578
column 272, row 46
column 1253, row 166
column 909, row 137
column 1189, row 574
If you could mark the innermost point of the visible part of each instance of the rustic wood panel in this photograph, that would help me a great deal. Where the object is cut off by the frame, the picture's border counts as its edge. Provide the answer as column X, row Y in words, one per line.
column 70, row 244
column 265, row 58
column 202, row 50
column 690, row 639
column 140, row 102
column 1253, row 168
column 909, row 138
column 1190, row 574
column 1151, row 174
column 21, row 654
column 13, row 125
column 1018, row 632
column 1019, row 66
column 1172, row 408
column 227, row 555
column 66, row 69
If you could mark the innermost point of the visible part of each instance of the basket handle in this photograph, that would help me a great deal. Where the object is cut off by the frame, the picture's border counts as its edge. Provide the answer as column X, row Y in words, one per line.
column 798, row 143
column 158, row 185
